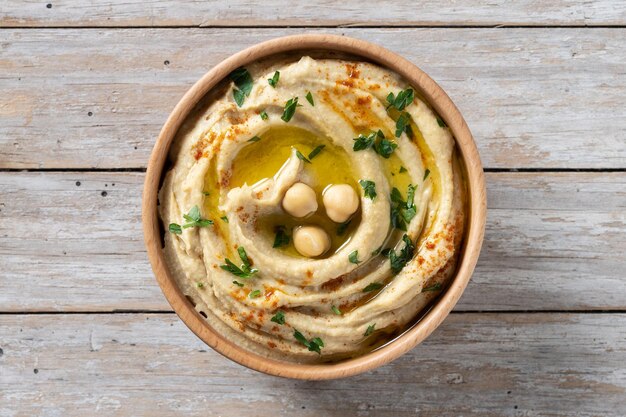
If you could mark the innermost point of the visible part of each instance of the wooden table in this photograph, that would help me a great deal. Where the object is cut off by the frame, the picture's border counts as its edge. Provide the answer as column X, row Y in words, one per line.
column 86, row 86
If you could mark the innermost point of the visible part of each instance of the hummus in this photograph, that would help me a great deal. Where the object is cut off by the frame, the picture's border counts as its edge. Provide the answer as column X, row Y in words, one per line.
column 229, row 241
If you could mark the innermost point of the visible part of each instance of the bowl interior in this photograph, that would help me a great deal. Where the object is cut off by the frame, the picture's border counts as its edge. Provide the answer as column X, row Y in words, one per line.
column 327, row 46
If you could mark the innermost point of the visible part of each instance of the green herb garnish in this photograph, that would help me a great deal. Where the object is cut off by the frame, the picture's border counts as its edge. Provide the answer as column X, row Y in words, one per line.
column 426, row 174
column 175, row 228
column 314, row 345
column 224, row 219
column 302, row 157
column 369, row 188
column 264, row 115
column 370, row 329
column 200, row 285
column 403, row 170
column 237, row 283
column 385, row 147
column 290, row 109
column 316, row 151
column 354, row 257
column 435, row 287
column 279, row 317
column 403, row 124
column 282, row 238
column 195, row 220
column 373, row 287
column 376, row 140
column 243, row 80
column 342, row 227
column 245, row 271
column 403, row 99
column 440, row 122
column 398, row 261
column 274, row 80
column 309, row 98
column 254, row 139
column 206, row 193
column 402, row 212
column 255, row 294
column 336, row 310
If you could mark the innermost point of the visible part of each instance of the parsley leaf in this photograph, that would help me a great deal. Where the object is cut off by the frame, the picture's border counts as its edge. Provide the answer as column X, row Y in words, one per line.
column 255, row 294
column 245, row 271
column 175, row 228
column 309, row 98
column 398, row 261
column 313, row 345
column 369, row 188
column 434, row 287
column 403, row 99
column 264, row 115
column 237, row 283
column 279, row 317
column 194, row 219
column 402, row 212
column 342, row 227
column 354, row 257
column 224, row 219
column 403, row 170
column 403, row 124
column 336, row 310
column 376, row 140
column 316, row 151
column 282, row 238
column 426, row 174
column 243, row 80
column 370, row 329
column 290, row 109
column 363, row 142
column 200, row 285
column 440, row 122
column 373, row 287
column 302, row 157
column 254, row 139
column 274, row 80
column 385, row 147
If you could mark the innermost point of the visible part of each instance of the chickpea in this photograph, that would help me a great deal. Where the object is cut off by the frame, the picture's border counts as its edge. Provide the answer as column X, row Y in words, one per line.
column 300, row 200
column 311, row 241
column 341, row 202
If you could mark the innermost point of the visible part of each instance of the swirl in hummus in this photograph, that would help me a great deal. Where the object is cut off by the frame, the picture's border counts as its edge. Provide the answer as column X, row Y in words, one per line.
column 314, row 208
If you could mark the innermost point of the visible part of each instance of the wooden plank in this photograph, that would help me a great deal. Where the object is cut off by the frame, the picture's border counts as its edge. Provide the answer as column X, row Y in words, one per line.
column 553, row 241
column 483, row 365
column 534, row 98
column 76, row 13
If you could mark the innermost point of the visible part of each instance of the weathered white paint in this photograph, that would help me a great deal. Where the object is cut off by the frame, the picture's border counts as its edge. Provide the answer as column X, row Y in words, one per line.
column 310, row 13
column 483, row 365
column 542, row 98
column 553, row 241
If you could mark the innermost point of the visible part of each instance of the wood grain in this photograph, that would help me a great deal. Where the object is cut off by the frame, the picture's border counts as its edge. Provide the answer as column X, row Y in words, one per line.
column 487, row 365
column 553, row 241
column 540, row 98
column 310, row 13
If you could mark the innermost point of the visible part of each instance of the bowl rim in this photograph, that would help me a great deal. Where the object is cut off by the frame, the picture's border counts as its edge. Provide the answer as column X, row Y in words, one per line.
column 434, row 95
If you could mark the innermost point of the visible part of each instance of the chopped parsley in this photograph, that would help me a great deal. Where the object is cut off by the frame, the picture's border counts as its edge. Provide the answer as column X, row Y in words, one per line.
column 206, row 193
column 316, row 151
column 435, row 287
column 403, row 99
column 255, row 294
column 440, row 122
column 354, row 257
column 370, row 329
column 279, row 317
column 237, row 283
column 194, row 219
column 402, row 212
column 426, row 174
column 314, row 345
column 254, row 139
column 376, row 140
column 373, row 287
column 398, row 261
column 403, row 124
column 175, row 228
column 200, row 285
column 243, row 80
column 282, row 238
column 342, row 227
column 274, row 80
column 369, row 188
column 224, row 219
column 290, row 109
column 264, row 115
column 309, row 98
column 403, row 170
column 245, row 271
column 302, row 157
column 336, row 310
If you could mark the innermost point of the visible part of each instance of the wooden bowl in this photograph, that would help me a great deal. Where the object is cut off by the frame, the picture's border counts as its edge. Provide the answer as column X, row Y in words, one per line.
column 476, row 215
